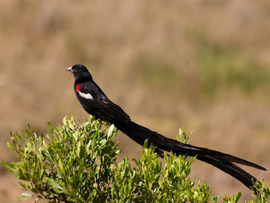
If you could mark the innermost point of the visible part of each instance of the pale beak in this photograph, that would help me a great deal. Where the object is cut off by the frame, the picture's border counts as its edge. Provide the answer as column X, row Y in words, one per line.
column 70, row 69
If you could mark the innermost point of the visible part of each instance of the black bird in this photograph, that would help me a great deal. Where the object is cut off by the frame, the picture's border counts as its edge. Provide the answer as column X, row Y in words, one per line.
column 96, row 103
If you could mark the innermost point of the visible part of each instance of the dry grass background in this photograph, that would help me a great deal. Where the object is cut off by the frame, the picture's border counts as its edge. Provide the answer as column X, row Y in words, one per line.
column 200, row 65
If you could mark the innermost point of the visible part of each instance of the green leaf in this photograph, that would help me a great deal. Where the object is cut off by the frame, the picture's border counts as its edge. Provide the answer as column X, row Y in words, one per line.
column 54, row 184
column 21, row 199
column 25, row 194
column 60, row 165
column 65, row 120
column 110, row 130
column 9, row 167
column 78, row 150
column 10, row 146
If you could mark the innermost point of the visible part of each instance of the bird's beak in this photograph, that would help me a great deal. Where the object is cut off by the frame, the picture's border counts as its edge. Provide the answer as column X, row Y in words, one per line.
column 70, row 69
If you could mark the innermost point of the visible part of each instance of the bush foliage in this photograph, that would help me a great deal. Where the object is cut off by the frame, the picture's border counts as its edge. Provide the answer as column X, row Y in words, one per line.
column 79, row 164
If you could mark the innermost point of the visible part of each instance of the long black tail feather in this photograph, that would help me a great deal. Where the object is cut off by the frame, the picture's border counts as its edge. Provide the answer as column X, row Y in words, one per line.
column 224, row 162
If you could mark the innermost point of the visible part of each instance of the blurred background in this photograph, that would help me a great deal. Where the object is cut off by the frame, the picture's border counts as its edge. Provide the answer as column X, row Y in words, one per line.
column 200, row 65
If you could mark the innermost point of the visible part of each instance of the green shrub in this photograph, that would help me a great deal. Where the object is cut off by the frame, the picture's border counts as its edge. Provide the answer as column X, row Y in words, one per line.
column 79, row 164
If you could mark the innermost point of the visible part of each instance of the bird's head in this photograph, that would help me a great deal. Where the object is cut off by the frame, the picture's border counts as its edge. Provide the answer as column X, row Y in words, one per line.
column 79, row 71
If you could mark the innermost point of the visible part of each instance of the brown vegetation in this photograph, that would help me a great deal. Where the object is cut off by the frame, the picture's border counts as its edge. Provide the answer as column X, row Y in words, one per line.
column 198, row 65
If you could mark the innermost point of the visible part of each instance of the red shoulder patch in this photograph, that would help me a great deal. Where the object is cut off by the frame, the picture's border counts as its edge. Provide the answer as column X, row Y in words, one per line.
column 78, row 88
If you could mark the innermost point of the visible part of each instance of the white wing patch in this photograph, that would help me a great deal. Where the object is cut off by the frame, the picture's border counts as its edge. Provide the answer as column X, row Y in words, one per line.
column 86, row 96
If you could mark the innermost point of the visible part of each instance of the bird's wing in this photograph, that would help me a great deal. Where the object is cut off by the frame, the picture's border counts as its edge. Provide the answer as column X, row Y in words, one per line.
column 94, row 98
